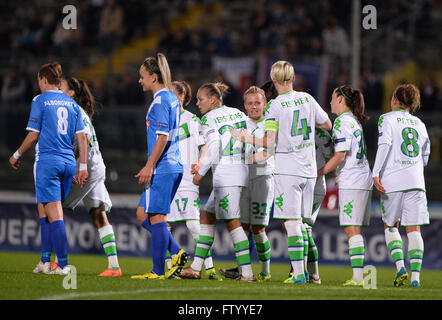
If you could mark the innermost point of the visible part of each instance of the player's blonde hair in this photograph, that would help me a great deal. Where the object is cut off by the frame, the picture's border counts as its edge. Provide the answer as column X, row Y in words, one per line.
column 282, row 72
column 215, row 89
column 158, row 65
column 253, row 90
column 409, row 96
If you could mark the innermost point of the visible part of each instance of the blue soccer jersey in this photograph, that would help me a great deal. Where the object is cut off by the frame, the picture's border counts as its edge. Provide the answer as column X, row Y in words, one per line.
column 57, row 118
column 163, row 117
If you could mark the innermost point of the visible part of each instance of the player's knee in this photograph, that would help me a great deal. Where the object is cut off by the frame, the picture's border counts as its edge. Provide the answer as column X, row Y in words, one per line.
column 258, row 229
column 141, row 216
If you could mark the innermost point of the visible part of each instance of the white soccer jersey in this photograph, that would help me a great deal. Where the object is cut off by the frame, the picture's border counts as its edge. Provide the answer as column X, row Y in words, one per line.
column 189, row 142
column 227, row 162
column 323, row 145
column 404, row 166
column 347, row 135
column 95, row 163
column 294, row 116
column 258, row 169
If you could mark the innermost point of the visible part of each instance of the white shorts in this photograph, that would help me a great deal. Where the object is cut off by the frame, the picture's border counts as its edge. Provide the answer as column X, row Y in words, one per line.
column 317, row 201
column 94, row 194
column 224, row 202
column 407, row 207
column 293, row 197
column 256, row 204
column 185, row 206
column 354, row 207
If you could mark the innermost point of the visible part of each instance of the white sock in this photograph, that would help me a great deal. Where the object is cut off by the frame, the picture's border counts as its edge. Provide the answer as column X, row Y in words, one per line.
column 205, row 241
column 107, row 237
column 242, row 251
column 194, row 228
column 394, row 244
column 415, row 253
column 312, row 266
column 357, row 255
column 305, row 235
column 262, row 245
column 295, row 245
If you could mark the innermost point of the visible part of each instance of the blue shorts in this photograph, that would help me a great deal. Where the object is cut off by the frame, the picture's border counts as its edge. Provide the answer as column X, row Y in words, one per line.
column 53, row 180
column 157, row 197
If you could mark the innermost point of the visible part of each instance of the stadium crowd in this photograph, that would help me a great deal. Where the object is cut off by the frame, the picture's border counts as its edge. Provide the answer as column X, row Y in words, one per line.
column 281, row 28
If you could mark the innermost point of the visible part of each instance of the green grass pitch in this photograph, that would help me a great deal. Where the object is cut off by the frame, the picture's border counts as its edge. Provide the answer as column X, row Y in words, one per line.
column 18, row 282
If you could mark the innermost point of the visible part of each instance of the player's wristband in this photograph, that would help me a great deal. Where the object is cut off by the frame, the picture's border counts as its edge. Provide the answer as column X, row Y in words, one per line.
column 16, row 155
column 83, row 166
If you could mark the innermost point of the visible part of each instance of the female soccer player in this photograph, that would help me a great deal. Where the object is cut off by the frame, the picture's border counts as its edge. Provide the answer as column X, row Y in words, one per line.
column 258, row 200
column 398, row 173
column 186, row 204
column 224, row 156
column 54, row 121
column 290, row 128
column 354, row 176
column 94, row 193
column 163, row 171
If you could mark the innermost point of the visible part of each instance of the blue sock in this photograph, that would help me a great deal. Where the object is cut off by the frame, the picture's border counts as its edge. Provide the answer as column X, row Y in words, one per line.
column 173, row 246
column 146, row 225
column 46, row 243
column 251, row 243
column 160, row 242
column 59, row 241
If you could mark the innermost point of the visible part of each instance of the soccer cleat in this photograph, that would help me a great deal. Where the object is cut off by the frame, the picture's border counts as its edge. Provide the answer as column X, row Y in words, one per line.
column 314, row 279
column 229, row 273
column 63, row 272
column 401, row 276
column 42, row 268
column 111, row 273
column 189, row 273
column 299, row 280
column 174, row 272
column 54, row 265
column 178, row 262
column 415, row 284
column 352, row 283
column 261, row 277
column 211, row 273
column 241, row 278
column 180, row 258
column 148, row 276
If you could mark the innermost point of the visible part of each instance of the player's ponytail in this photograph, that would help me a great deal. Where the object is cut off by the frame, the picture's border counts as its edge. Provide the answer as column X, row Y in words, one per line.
column 216, row 89
column 408, row 96
column 183, row 88
column 282, row 72
column 82, row 95
column 354, row 99
column 52, row 72
column 160, row 67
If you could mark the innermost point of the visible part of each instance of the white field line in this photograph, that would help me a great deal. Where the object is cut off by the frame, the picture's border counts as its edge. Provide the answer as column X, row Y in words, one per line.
column 74, row 295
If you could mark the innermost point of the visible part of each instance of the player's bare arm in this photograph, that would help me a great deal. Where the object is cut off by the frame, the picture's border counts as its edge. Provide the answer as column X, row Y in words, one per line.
column 145, row 174
column 82, row 150
column 30, row 139
column 333, row 163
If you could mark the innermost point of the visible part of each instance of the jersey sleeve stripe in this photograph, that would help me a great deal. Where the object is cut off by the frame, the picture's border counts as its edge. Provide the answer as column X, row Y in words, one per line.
column 163, row 132
column 32, row 129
